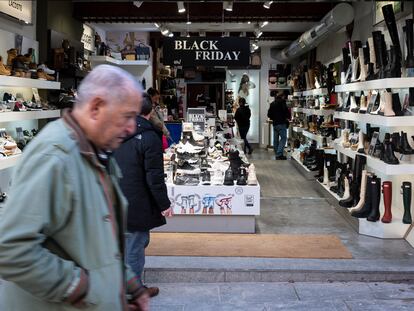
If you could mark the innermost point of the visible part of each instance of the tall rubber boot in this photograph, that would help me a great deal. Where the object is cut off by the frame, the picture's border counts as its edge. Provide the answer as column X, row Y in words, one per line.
column 409, row 61
column 379, row 53
column 376, row 199
column 362, row 193
column 406, row 192
column 347, row 191
column 396, row 105
column 387, row 194
column 393, row 69
column 365, row 210
column 389, row 17
column 355, row 186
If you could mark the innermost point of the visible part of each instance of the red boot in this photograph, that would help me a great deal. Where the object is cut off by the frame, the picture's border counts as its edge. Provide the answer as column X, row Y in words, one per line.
column 387, row 191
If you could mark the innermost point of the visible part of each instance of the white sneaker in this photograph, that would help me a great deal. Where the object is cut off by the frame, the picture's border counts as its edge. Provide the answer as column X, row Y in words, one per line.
column 217, row 178
column 46, row 69
column 251, row 176
column 197, row 137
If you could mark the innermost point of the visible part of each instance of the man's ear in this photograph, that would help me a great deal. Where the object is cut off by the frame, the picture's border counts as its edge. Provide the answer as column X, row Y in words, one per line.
column 95, row 107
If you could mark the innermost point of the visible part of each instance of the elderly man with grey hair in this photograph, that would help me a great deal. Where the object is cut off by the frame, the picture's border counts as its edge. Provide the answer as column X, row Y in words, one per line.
column 62, row 231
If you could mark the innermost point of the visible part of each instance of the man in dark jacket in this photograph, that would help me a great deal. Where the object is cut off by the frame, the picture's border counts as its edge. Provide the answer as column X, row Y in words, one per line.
column 140, row 158
column 280, row 115
column 242, row 118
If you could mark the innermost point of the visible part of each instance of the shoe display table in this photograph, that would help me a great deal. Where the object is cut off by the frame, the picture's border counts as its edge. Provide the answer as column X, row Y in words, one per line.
column 213, row 208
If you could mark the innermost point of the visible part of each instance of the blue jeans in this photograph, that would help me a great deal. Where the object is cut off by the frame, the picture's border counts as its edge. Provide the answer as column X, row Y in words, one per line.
column 136, row 242
column 279, row 138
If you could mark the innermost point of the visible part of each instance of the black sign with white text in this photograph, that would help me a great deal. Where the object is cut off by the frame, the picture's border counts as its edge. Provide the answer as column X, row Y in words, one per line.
column 205, row 51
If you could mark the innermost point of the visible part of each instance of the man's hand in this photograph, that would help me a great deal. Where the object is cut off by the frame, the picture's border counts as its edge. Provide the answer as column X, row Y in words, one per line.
column 168, row 212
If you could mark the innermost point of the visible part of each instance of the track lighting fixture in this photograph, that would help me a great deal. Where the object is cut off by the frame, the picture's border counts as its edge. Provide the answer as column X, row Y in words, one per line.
column 181, row 7
column 267, row 4
column 262, row 24
column 202, row 33
column 228, row 5
column 137, row 3
column 226, row 34
column 164, row 31
column 258, row 32
column 157, row 25
column 170, row 34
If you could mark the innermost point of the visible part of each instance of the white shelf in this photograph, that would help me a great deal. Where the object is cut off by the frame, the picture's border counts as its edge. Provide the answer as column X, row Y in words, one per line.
column 8, row 162
column 315, row 92
column 310, row 135
column 378, row 165
column 390, row 83
column 376, row 119
column 318, row 112
column 8, row 81
column 28, row 115
column 297, row 109
column 394, row 230
column 112, row 61
column 327, row 188
column 297, row 129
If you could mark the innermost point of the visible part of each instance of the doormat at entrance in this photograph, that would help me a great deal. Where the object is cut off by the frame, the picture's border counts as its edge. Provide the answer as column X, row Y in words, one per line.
column 247, row 245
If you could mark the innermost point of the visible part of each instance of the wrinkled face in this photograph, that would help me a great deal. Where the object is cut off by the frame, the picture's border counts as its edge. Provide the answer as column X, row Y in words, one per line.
column 115, row 121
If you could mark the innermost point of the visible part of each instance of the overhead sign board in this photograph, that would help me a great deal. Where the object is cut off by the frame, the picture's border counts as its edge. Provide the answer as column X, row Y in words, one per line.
column 88, row 38
column 20, row 9
column 206, row 51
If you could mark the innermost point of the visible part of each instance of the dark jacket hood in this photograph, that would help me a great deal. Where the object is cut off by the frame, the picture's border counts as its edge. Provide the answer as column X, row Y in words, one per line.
column 144, row 125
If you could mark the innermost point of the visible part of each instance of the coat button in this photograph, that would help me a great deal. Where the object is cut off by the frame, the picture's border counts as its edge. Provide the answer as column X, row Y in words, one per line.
column 107, row 218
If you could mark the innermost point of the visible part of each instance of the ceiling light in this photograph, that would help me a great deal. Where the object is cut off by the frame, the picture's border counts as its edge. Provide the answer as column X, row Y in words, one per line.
column 164, row 30
column 188, row 35
column 170, row 34
column 138, row 3
column 257, row 32
column 157, row 25
column 267, row 4
column 188, row 23
column 202, row 33
column 228, row 5
column 226, row 34
column 264, row 24
column 249, row 22
column 181, row 7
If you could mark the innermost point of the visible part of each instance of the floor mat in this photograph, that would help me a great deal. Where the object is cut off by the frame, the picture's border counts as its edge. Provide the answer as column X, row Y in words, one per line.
column 247, row 245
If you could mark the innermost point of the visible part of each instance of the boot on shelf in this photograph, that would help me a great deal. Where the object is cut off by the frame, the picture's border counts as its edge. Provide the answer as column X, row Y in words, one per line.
column 396, row 105
column 362, row 193
column 362, row 66
column 379, row 54
column 325, row 176
column 393, row 69
column 308, row 87
column 372, row 59
column 363, row 104
column 386, row 108
column 396, row 142
column 388, row 152
column 345, row 141
column 404, row 146
column 355, row 186
column 346, row 65
column 365, row 210
column 3, row 70
column 311, row 75
column 361, row 140
column 374, row 215
column 347, row 192
column 387, row 195
column 354, row 105
column 409, row 61
column 406, row 189
column 389, row 17
column 340, row 102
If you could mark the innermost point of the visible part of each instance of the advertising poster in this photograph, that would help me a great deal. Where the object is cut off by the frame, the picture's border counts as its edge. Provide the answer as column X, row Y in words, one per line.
column 197, row 116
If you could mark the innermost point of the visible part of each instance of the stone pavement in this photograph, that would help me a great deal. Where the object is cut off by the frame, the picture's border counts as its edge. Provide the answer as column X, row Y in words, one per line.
column 351, row 296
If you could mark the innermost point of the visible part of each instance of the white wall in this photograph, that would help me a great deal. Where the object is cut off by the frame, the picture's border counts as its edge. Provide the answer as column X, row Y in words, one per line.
column 11, row 25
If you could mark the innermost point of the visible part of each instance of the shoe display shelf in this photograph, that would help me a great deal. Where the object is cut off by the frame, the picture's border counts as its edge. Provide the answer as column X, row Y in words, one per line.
column 396, row 229
column 8, row 81
column 8, row 162
column 316, row 112
column 97, row 60
column 234, row 208
column 389, row 83
column 378, row 165
column 375, row 119
column 315, row 137
column 315, row 92
column 28, row 115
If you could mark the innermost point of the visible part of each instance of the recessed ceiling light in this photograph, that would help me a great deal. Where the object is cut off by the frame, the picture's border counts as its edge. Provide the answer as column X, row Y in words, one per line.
column 170, row 34
column 188, row 23
column 249, row 22
column 228, row 5
column 157, row 25
column 267, row 4
column 257, row 32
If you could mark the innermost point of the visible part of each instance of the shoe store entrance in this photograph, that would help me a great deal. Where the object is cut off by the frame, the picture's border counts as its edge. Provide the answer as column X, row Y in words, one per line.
column 206, row 94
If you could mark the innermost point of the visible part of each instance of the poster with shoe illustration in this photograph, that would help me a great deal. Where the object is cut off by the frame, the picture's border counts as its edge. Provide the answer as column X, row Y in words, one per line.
column 214, row 200
column 130, row 43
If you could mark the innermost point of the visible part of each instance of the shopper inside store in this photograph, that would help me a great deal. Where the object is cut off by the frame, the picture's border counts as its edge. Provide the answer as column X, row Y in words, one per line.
column 206, row 155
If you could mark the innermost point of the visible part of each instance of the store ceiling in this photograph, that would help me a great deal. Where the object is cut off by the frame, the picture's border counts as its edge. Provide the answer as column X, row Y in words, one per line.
column 287, row 19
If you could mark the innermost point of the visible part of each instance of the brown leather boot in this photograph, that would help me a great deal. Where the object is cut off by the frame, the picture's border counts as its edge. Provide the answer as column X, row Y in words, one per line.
column 44, row 76
column 3, row 70
column 11, row 55
column 153, row 291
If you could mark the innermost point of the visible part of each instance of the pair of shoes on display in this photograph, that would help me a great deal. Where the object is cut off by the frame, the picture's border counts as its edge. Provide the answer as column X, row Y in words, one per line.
column 184, row 167
column 205, row 178
column 187, row 147
column 186, row 180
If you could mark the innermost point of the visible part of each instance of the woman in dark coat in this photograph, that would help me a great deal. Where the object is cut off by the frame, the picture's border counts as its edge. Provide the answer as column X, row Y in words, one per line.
column 242, row 118
column 140, row 158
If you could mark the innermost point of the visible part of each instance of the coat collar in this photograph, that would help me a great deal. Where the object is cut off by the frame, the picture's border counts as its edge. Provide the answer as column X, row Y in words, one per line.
column 86, row 148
